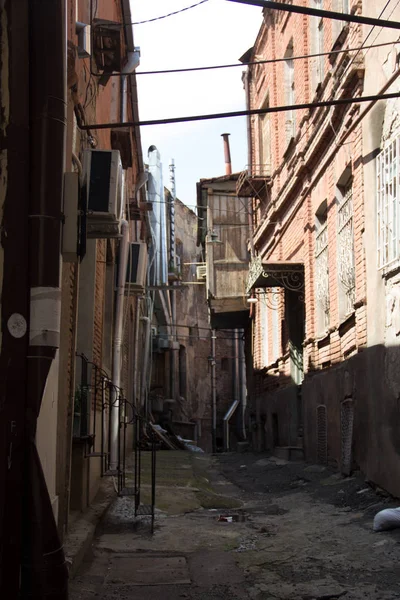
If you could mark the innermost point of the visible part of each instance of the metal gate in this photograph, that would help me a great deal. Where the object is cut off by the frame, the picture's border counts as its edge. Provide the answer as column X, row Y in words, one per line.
column 346, row 435
column 95, row 394
column 322, row 435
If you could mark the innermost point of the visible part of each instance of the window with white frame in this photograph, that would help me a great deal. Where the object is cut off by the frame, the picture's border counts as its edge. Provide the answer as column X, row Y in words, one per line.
column 322, row 268
column 264, row 328
column 317, row 46
column 275, row 318
column 290, row 123
column 345, row 250
column 342, row 6
column 388, row 204
column 264, row 146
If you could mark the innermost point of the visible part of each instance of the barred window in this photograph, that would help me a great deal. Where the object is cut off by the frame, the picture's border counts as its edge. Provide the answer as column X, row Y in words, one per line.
column 322, row 268
column 290, row 123
column 388, row 201
column 317, row 46
column 345, row 250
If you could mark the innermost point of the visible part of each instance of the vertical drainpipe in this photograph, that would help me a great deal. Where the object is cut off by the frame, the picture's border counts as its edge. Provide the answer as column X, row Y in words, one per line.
column 236, row 386
column 243, row 387
column 118, row 338
column 43, row 567
column 172, row 265
column 246, row 80
column 213, row 391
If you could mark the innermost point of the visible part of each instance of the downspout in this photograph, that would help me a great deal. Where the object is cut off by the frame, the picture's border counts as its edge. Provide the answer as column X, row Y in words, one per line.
column 142, row 179
column 213, row 391
column 117, row 345
column 172, row 265
column 146, row 354
column 246, row 80
column 236, row 387
column 43, row 569
column 243, row 388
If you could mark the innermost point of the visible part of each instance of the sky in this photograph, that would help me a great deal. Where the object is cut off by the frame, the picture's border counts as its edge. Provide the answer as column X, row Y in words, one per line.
column 217, row 32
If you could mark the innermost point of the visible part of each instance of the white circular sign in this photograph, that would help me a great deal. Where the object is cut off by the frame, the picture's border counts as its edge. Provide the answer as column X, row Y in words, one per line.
column 17, row 325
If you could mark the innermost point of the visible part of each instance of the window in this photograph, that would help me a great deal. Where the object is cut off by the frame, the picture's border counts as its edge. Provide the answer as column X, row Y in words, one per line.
column 289, row 93
column 264, row 328
column 276, row 338
column 388, row 204
column 264, row 138
column 322, row 268
column 317, row 46
column 342, row 6
column 345, row 250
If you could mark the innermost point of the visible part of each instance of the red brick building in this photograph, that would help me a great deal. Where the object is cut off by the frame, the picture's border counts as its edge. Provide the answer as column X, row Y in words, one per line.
column 312, row 383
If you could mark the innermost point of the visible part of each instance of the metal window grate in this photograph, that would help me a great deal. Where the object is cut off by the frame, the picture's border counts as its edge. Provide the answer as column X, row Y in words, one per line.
column 322, row 274
column 388, row 204
column 322, row 435
column 346, row 269
column 346, row 422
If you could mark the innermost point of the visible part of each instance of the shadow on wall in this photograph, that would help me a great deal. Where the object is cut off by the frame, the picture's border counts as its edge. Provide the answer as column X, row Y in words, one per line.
column 349, row 414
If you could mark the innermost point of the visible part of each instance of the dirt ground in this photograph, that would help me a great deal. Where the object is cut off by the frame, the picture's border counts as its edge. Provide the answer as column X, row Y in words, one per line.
column 302, row 532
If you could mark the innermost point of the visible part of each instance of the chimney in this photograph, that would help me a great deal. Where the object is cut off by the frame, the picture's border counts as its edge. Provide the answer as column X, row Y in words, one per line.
column 228, row 163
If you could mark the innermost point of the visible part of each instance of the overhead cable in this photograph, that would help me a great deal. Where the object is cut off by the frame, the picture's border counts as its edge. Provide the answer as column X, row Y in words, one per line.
column 266, row 61
column 244, row 113
column 171, row 14
column 317, row 12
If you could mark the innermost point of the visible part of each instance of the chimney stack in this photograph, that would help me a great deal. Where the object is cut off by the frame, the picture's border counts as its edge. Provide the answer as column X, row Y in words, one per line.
column 227, row 151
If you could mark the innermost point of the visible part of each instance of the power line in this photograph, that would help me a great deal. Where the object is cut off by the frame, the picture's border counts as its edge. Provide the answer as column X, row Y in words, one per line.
column 266, row 61
column 171, row 14
column 363, row 47
column 316, row 12
column 243, row 113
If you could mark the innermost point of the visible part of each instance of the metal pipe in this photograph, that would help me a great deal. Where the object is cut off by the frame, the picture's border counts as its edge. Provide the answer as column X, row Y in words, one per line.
column 213, row 392
column 226, row 419
column 243, row 388
column 43, row 566
column 117, row 345
column 227, row 152
column 317, row 12
column 246, row 80
column 145, row 362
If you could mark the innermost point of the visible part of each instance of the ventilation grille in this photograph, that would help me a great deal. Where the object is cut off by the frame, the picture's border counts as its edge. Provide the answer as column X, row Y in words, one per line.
column 201, row 272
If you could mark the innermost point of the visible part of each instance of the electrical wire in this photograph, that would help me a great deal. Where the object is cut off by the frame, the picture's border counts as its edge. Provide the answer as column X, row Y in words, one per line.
column 266, row 61
column 171, row 14
column 362, row 47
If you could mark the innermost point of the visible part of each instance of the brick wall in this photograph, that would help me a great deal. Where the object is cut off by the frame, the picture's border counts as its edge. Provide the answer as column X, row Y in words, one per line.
column 301, row 181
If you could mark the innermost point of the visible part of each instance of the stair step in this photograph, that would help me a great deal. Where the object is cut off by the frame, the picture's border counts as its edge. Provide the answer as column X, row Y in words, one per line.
column 144, row 510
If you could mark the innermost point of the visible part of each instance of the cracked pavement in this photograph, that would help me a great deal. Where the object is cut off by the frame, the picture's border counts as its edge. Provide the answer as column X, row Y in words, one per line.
column 303, row 533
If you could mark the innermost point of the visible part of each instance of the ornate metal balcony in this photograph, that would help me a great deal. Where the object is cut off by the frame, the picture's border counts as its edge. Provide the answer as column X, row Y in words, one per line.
column 275, row 274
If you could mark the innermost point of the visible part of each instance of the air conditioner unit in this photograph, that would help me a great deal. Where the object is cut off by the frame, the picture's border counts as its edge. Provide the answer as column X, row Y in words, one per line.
column 102, row 188
column 137, row 267
column 201, row 272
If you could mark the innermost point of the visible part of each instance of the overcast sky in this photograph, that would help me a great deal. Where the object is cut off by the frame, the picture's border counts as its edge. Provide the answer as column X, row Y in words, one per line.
column 217, row 32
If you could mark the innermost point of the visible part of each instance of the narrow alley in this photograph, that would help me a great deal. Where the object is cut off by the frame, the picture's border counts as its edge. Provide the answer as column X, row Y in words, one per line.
column 299, row 532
